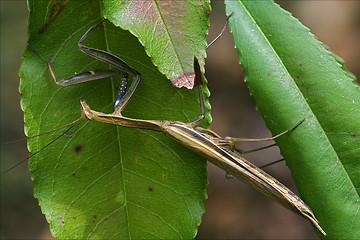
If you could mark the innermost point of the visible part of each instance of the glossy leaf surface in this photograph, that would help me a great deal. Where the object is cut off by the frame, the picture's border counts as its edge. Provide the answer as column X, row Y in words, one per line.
column 293, row 76
column 172, row 32
column 105, row 182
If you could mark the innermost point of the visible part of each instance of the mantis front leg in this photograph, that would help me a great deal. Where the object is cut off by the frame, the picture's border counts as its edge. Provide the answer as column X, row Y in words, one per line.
column 108, row 58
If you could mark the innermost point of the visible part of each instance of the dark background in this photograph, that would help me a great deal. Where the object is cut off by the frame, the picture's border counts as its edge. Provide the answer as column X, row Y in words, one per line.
column 233, row 209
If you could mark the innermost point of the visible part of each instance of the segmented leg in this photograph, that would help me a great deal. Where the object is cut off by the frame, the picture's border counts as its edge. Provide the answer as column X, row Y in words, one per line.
column 108, row 58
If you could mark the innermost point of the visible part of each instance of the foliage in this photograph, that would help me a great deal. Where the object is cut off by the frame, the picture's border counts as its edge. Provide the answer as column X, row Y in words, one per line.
column 105, row 181
column 113, row 182
column 293, row 76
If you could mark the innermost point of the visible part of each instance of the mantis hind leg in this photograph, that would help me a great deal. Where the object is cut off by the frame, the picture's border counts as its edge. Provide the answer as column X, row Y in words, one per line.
column 231, row 141
column 198, row 82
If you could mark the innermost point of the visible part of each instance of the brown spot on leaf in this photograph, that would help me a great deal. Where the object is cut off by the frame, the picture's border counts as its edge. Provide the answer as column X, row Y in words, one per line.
column 189, row 79
column 150, row 189
column 184, row 80
column 78, row 148
column 56, row 8
column 68, row 133
column 74, row 175
column 201, row 5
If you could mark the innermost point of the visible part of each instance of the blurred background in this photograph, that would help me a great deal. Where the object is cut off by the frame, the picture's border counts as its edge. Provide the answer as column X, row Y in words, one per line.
column 233, row 209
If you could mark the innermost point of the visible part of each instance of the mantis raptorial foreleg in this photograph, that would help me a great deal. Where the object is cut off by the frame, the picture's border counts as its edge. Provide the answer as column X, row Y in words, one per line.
column 108, row 58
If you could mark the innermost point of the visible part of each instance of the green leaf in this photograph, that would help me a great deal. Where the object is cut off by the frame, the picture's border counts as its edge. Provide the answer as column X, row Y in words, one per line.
column 293, row 76
column 105, row 182
column 171, row 32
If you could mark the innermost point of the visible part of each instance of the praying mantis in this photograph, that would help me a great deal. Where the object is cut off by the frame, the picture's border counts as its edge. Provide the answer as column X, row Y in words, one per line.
column 205, row 142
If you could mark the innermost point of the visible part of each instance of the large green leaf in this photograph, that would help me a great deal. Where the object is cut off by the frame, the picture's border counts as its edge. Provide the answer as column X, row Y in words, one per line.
column 105, row 182
column 293, row 76
column 173, row 30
